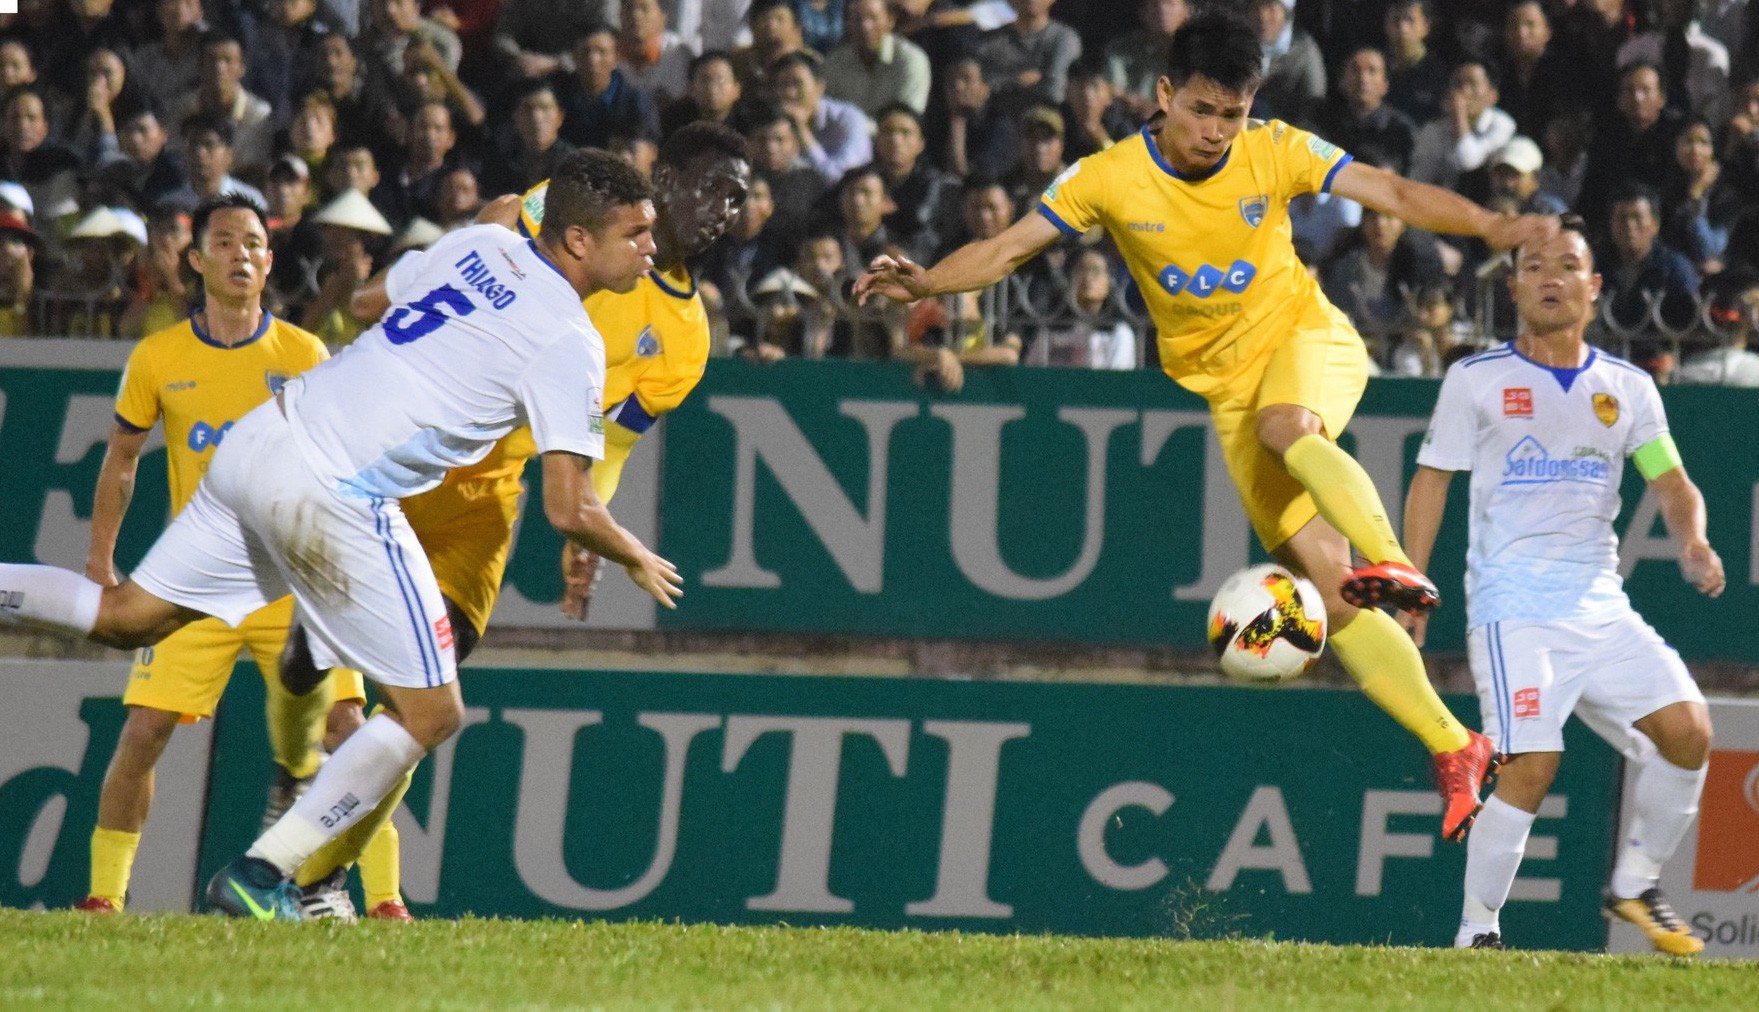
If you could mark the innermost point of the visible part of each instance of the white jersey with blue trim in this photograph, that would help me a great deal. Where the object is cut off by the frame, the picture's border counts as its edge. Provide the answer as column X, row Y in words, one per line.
column 1546, row 448
column 484, row 335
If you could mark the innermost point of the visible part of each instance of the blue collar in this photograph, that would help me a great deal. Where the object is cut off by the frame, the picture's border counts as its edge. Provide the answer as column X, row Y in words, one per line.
column 1167, row 167
column 1565, row 377
column 660, row 281
column 202, row 335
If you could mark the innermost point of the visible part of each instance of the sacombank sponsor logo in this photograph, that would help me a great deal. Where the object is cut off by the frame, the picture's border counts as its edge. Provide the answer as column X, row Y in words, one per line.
column 1727, row 824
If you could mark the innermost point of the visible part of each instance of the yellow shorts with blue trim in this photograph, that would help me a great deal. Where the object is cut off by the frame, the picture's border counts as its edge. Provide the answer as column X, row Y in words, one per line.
column 1321, row 366
column 467, row 530
column 186, row 672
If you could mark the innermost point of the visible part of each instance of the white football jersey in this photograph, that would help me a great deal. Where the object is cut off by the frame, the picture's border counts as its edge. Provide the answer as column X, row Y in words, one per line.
column 483, row 335
column 1546, row 448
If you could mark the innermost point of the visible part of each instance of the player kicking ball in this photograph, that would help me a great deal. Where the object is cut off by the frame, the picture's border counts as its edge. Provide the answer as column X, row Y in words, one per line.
column 1545, row 424
column 486, row 333
column 1198, row 205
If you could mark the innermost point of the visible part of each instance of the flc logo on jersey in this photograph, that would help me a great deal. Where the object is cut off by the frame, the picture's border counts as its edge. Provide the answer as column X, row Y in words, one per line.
column 1728, row 811
column 1517, row 402
column 1205, row 280
column 202, row 435
column 277, row 381
column 1606, row 408
column 1252, row 209
column 647, row 344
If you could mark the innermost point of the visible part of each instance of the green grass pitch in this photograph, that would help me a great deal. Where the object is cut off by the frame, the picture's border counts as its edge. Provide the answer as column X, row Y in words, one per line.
column 78, row 961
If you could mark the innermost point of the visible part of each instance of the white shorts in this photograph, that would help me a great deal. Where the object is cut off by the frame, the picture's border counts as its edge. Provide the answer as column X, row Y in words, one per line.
column 1612, row 672
column 262, row 524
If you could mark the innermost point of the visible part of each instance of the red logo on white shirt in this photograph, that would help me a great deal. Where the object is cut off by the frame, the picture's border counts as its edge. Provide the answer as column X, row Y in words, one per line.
column 1526, row 703
column 1517, row 402
column 443, row 631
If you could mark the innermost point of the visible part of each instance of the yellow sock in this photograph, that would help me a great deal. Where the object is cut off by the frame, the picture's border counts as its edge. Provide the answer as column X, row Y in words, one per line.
column 296, row 725
column 381, row 866
column 351, row 846
column 1346, row 497
column 1384, row 662
column 112, row 862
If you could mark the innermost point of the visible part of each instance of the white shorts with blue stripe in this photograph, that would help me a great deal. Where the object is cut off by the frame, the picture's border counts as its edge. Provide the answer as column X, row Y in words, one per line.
column 262, row 523
column 1611, row 672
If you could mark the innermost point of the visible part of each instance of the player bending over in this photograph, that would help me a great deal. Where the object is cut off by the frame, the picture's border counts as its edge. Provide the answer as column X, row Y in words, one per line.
column 1550, row 629
column 1198, row 205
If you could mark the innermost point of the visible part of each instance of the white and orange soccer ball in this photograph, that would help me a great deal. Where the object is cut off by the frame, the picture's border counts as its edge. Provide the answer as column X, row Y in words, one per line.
column 1267, row 624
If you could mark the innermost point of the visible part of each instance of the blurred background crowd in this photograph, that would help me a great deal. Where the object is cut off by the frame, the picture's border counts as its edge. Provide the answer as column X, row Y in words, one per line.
column 369, row 127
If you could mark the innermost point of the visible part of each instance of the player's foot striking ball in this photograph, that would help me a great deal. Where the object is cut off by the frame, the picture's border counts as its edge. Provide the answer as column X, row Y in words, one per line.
column 1461, row 776
column 249, row 887
column 1392, row 584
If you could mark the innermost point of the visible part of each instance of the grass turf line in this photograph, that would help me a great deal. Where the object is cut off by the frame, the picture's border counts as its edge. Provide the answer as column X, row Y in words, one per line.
column 75, row 960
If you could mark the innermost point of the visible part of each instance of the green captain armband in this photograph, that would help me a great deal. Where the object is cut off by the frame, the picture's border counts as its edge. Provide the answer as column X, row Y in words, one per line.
column 1656, row 457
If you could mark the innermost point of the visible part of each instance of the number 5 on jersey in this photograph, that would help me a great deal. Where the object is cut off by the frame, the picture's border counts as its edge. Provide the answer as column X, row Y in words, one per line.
column 423, row 316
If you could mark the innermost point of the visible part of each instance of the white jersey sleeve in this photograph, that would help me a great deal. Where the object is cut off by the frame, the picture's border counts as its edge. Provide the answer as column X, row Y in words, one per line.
column 562, row 416
column 1452, row 438
column 1650, row 422
column 402, row 275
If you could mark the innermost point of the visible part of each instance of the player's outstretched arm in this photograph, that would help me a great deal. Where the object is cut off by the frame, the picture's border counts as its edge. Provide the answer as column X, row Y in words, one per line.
column 1437, row 210
column 576, row 512
column 502, row 211
column 110, row 499
column 1682, row 507
column 1425, row 504
column 970, row 267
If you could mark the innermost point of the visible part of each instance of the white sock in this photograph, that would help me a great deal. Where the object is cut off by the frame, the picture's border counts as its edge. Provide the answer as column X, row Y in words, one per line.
column 1493, row 854
column 1663, row 805
column 44, row 596
column 350, row 784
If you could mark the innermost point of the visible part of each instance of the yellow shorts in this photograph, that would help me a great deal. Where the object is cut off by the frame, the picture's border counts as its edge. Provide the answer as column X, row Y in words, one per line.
column 187, row 672
column 467, row 530
column 1321, row 366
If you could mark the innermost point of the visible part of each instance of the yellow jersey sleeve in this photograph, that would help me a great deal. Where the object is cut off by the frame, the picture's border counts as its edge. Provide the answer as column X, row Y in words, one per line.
column 1306, row 163
column 137, row 397
column 1075, row 200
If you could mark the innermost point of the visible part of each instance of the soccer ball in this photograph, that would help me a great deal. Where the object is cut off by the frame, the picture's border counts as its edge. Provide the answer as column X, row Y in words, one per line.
column 1266, row 624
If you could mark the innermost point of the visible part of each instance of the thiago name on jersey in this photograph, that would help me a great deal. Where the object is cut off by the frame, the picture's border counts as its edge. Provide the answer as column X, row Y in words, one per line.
column 476, row 275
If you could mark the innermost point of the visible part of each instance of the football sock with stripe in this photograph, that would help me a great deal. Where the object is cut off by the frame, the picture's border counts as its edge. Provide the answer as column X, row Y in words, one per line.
column 1664, row 803
column 47, row 597
column 1345, row 495
column 347, row 789
column 1493, row 856
column 296, row 724
column 112, row 862
column 1384, row 662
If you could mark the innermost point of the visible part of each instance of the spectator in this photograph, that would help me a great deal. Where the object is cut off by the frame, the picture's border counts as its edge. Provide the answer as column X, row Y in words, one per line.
column 220, row 92
column 93, row 136
column 1514, row 181
column 537, row 121
column 1041, row 157
column 207, row 163
column 1700, row 207
column 1028, row 62
column 47, row 169
column 821, row 23
column 1294, row 70
column 459, row 199
column 1694, row 67
column 1319, row 221
column 285, row 52
column 597, row 102
column 1636, row 145
column 655, row 59
column 862, row 207
column 834, row 136
column 1740, row 141
column 1432, row 337
column 877, row 67
column 775, row 33
column 145, row 172
column 1096, row 116
column 17, row 66
column 1462, row 139
column 361, row 106
column 88, row 27
column 776, row 158
column 532, row 37
column 295, row 238
column 1417, row 77
column 714, row 94
column 1726, row 21
column 1734, row 307
column 1098, row 337
column 1136, row 61
column 20, row 314
column 639, row 152
column 708, row 24
column 353, row 232
column 1586, row 37
column 972, row 135
column 1534, row 82
column 165, row 285
column 429, row 153
column 312, row 135
column 1640, row 264
column 745, row 255
column 169, row 67
column 1358, row 118
column 922, row 194
column 1567, row 135
column 355, row 167
column 1369, row 273
column 399, row 26
column 89, row 297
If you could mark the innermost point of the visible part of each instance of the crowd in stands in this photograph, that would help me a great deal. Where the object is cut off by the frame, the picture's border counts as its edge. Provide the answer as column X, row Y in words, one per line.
column 368, row 127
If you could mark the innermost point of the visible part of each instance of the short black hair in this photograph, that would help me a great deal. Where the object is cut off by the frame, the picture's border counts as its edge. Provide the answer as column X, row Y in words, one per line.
column 1631, row 190
column 856, row 175
column 220, row 38
column 1217, row 46
column 225, row 201
column 898, row 109
column 1635, row 65
column 693, row 140
column 214, row 123
column 587, row 186
column 761, row 7
column 707, row 57
column 593, row 28
column 814, row 63
column 19, row 91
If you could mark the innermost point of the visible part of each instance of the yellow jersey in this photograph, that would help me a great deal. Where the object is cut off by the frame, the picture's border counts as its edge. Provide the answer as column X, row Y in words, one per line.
column 1213, row 255
column 200, row 387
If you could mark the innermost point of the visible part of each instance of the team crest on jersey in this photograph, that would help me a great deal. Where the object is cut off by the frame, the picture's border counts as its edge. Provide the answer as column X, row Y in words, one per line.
column 1050, row 192
column 647, row 345
column 1606, row 408
column 1252, row 209
column 276, row 381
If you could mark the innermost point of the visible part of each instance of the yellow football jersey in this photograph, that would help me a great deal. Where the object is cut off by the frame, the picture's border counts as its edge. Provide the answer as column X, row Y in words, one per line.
column 656, row 346
column 200, row 387
column 1213, row 255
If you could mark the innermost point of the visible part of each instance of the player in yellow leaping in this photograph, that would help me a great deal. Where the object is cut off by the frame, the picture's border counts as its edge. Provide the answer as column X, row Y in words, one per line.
column 1198, row 204
column 656, row 347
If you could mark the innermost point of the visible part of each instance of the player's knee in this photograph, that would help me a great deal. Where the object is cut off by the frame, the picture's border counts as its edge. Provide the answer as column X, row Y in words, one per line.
column 1688, row 744
column 1525, row 778
column 1280, row 425
column 432, row 724
column 129, row 619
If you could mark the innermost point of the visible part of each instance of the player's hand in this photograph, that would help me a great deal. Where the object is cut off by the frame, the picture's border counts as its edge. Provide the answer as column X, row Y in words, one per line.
column 1513, row 230
column 946, row 372
column 897, row 278
column 1702, row 568
column 658, row 577
column 1416, row 623
column 580, row 577
column 103, row 572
